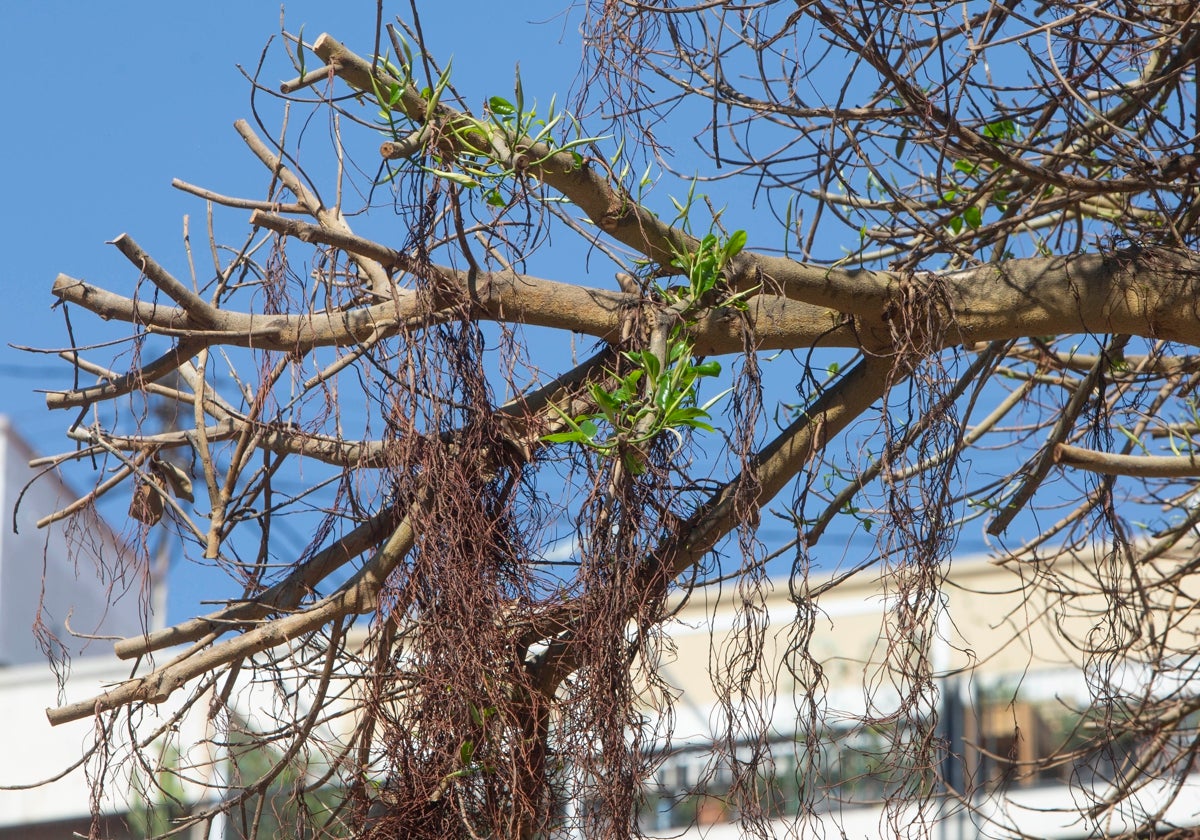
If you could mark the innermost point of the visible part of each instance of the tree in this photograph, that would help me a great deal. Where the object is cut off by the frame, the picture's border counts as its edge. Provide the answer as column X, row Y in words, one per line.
column 1010, row 193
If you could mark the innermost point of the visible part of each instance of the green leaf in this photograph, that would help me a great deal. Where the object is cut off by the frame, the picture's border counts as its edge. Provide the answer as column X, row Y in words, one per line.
column 715, row 400
column 738, row 301
column 709, row 368
column 664, row 396
column 459, row 178
column 737, row 241
column 467, row 751
column 501, row 107
column 612, row 161
column 629, row 387
column 543, row 134
column 608, row 403
column 1000, row 130
column 689, row 416
column 300, row 51
column 965, row 166
column 647, row 361
column 973, row 217
column 566, row 437
column 581, row 431
column 1133, row 438
column 408, row 55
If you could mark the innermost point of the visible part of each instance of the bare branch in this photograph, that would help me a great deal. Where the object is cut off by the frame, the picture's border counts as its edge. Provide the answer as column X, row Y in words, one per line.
column 1139, row 466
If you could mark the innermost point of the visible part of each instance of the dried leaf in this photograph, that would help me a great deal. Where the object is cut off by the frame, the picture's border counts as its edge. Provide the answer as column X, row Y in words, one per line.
column 146, row 505
column 175, row 476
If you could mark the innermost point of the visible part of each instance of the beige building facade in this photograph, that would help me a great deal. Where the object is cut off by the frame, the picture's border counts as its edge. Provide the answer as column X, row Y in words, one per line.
column 1009, row 658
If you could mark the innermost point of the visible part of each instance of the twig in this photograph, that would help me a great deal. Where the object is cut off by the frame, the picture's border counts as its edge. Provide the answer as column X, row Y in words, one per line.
column 237, row 203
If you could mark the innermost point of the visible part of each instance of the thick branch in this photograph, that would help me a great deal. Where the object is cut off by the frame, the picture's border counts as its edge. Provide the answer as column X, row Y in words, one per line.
column 199, row 312
column 1139, row 466
column 127, row 383
column 283, row 596
column 502, row 296
column 613, row 211
column 995, row 302
column 1154, row 293
column 1151, row 293
column 339, row 239
column 776, row 464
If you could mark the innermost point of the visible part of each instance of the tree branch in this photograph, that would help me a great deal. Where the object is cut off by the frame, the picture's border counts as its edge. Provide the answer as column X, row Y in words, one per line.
column 1140, row 466
column 770, row 471
column 357, row 595
column 327, row 217
column 521, row 420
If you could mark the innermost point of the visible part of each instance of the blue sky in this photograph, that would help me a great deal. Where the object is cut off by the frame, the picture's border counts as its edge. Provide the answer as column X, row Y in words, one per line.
column 113, row 101
column 109, row 102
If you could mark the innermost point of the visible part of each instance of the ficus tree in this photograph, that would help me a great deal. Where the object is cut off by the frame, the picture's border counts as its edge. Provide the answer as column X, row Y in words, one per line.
column 824, row 259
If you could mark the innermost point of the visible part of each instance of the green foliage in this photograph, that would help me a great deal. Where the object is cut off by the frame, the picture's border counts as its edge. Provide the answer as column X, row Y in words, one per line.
column 488, row 153
column 703, row 268
column 650, row 399
column 289, row 809
column 160, row 800
column 1001, row 130
column 654, row 395
column 968, row 175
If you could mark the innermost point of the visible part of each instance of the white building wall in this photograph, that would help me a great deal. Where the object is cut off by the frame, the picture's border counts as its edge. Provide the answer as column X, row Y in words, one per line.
column 190, row 743
column 44, row 752
column 66, row 557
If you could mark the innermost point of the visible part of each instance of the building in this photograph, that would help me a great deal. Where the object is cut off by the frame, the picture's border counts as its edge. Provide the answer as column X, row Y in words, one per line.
column 1002, row 642
column 84, row 601
column 1014, row 709
column 37, row 621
